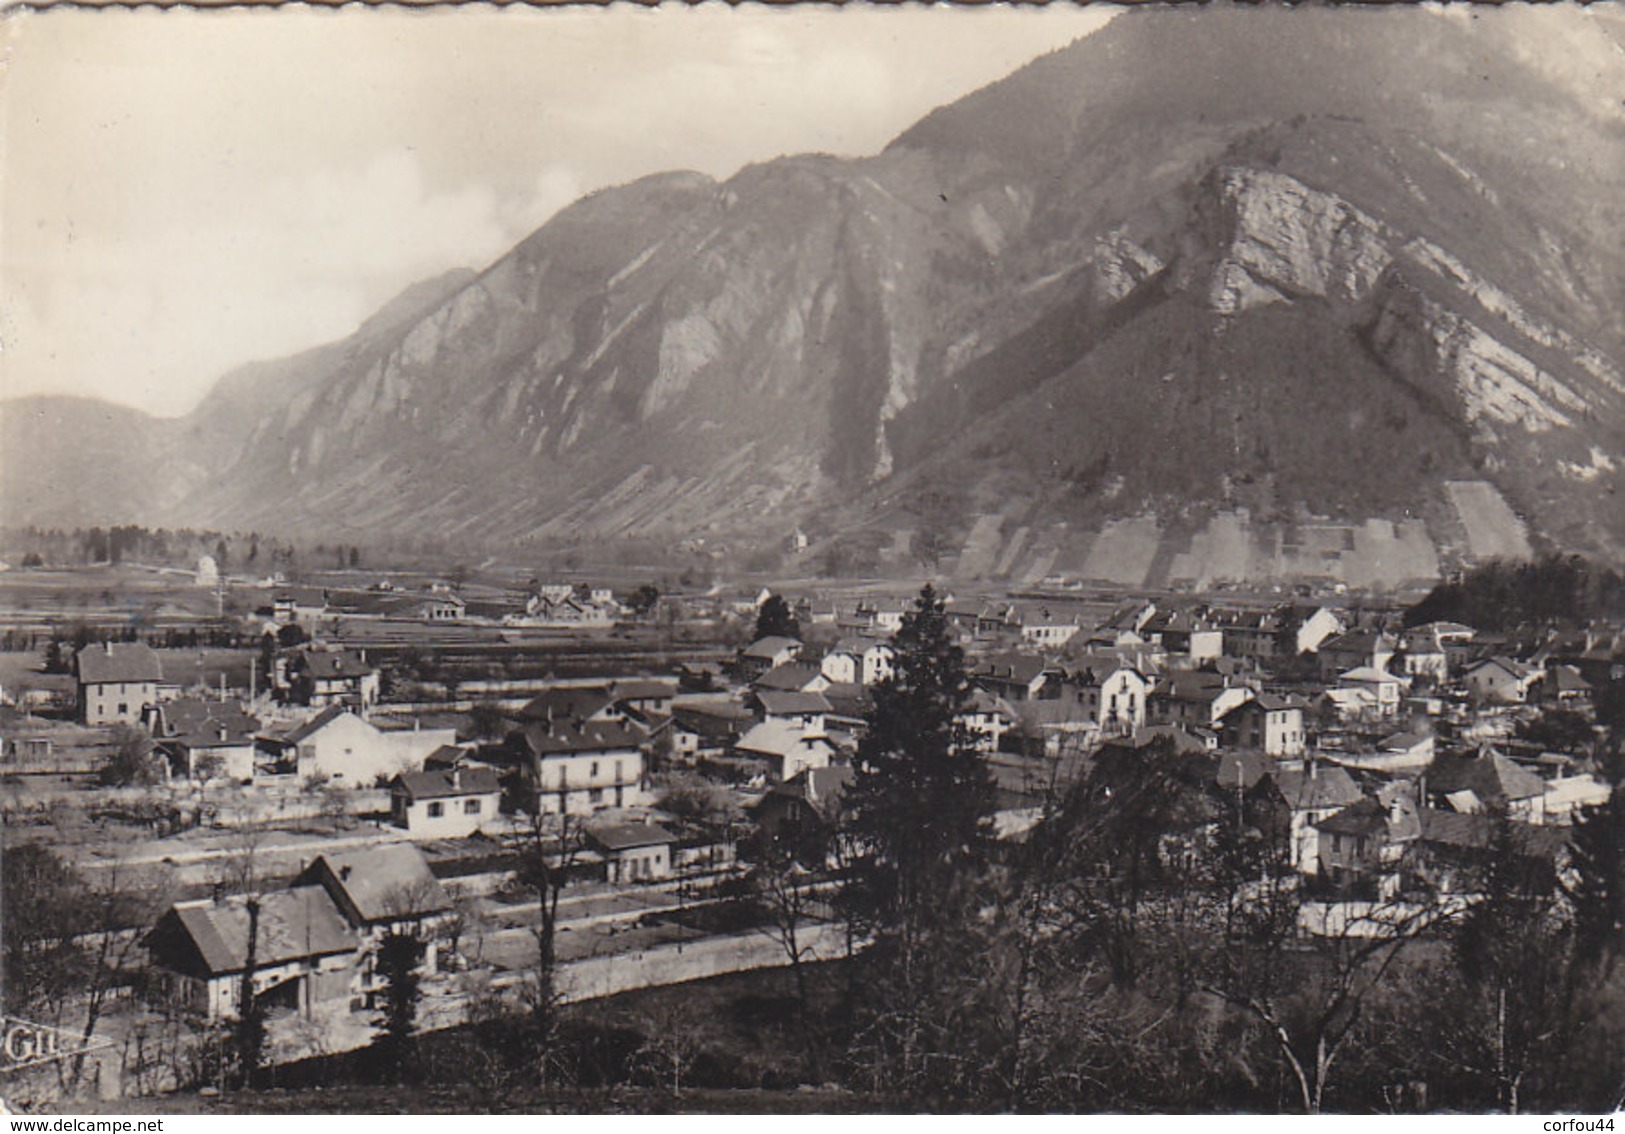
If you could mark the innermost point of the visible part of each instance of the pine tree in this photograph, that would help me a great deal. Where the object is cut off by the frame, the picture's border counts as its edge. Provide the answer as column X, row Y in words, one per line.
column 921, row 825
column 1598, row 887
column 399, row 955
column 775, row 619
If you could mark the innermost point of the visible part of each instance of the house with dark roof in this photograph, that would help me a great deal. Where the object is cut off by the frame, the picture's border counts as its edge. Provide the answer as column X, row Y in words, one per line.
column 1194, row 699
column 1292, row 797
column 116, row 681
column 799, row 817
column 1485, row 781
column 702, row 729
column 578, row 767
column 1015, row 677
column 205, row 738
column 305, row 953
column 319, row 675
column 1500, row 680
column 1367, row 841
column 1371, row 649
column 1452, row 848
column 765, row 654
column 633, row 852
column 446, row 803
column 380, row 890
column 804, row 710
column 1269, row 722
column 793, row 677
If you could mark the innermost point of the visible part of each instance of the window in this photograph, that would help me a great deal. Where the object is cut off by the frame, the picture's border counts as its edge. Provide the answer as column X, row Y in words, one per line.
column 596, row 795
column 471, row 807
column 594, row 772
column 436, row 810
column 123, row 708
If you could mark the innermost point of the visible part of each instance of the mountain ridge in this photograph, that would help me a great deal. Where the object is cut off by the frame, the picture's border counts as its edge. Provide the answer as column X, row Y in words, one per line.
column 833, row 343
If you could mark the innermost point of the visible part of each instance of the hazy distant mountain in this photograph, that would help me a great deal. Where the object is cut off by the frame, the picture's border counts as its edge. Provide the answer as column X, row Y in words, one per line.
column 1309, row 263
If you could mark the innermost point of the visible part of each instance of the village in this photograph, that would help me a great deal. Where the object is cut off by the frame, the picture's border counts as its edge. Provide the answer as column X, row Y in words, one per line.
column 366, row 761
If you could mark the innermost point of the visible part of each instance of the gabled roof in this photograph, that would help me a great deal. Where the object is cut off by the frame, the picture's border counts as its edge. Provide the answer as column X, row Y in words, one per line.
column 1367, row 817
column 330, row 663
column 294, row 923
column 545, row 738
column 821, row 788
column 857, row 646
column 847, row 698
column 1489, row 775
column 791, row 676
column 1241, row 769
column 382, row 883
column 777, row 738
column 779, row 703
column 1326, row 785
column 1182, row 741
column 1023, row 669
column 711, row 720
column 981, row 701
column 1516, row 670
column 1361, row 641
column 195, row 723
column 315, row 724
column 566, row 703
column 1369, row 675
column 1474, row 832
column 1276, row 702
column 448, row 783
column 123, row 662
column 629, row 836
column 1195, row 685
column 765, row 649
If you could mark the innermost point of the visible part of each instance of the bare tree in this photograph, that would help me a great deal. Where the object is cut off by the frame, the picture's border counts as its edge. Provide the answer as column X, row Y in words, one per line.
column 546, row 850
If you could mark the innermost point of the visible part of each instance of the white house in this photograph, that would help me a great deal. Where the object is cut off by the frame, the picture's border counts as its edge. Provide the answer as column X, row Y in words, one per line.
column 633, row 852
column 578, row 767
column 116, row 681
column 305, row 953
column 785, row 748
column 986, row 719
column 337, row 746
column 447, row 803
column 1268, row 723
column 1500, row 680
column 1385, row 688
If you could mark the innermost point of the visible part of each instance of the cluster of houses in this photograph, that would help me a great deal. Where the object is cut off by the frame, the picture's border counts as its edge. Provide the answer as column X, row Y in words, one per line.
column 1379, row 753
column 545, row 605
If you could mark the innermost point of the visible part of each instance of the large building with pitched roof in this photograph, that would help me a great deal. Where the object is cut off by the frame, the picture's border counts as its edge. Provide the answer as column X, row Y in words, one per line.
column 116, row 681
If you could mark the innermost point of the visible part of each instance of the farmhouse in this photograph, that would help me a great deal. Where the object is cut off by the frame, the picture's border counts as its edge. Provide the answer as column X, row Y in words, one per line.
column 305, row 953
column 116, row 681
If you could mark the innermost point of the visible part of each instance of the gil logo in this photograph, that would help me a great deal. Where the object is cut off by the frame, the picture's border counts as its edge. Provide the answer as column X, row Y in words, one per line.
column 25, row 1044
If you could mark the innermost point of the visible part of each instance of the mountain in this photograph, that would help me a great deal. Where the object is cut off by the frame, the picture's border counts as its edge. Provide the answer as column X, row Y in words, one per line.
column 1207, row 294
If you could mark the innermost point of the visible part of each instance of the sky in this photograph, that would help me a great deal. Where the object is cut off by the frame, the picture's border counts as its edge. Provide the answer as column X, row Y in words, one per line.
column 185, row 191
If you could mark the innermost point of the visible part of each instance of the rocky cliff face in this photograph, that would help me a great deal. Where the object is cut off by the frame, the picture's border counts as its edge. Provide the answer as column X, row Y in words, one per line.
column 1098, row 290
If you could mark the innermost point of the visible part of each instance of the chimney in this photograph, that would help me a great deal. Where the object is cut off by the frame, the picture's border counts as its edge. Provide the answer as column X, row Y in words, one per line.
column 344, row 873
column 456, row 778
column 107, row 648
